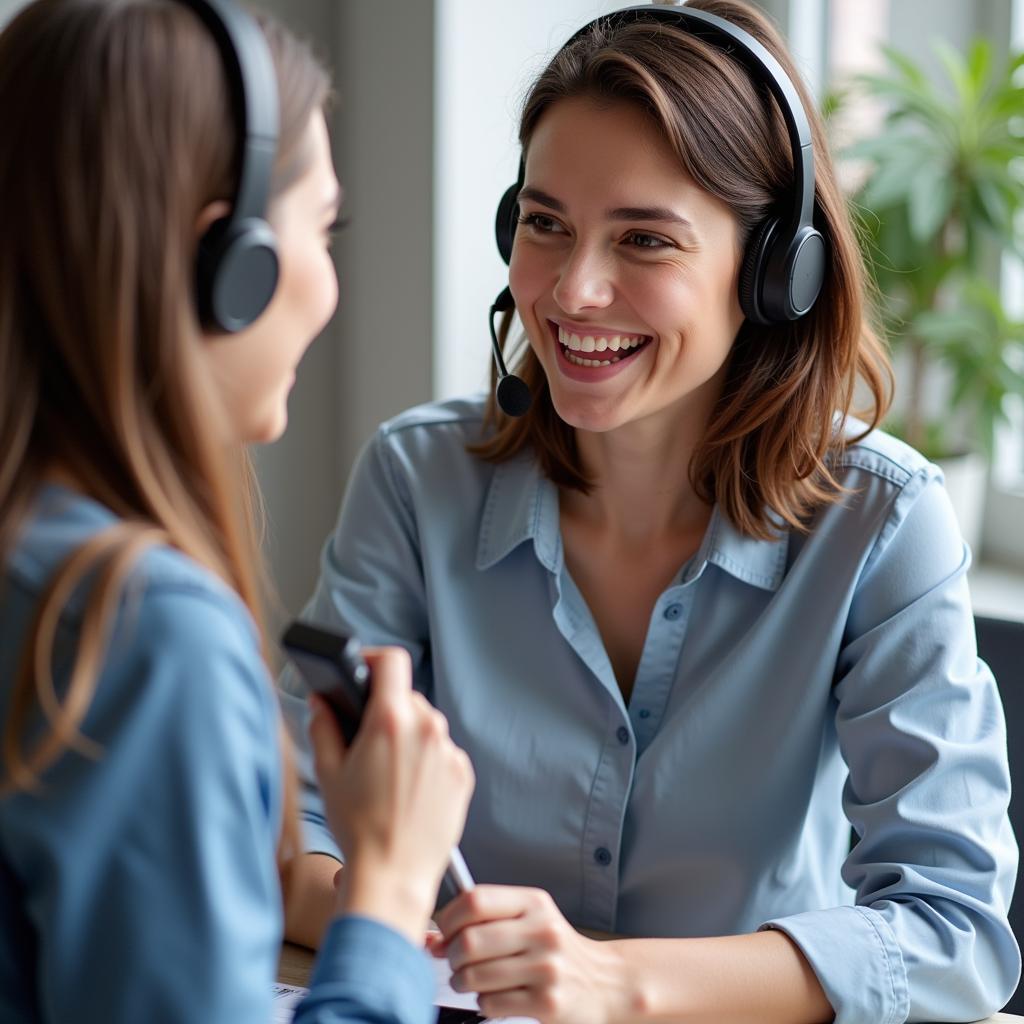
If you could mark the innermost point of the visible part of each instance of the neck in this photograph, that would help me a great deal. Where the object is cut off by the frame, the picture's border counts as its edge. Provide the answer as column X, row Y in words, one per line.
column 642, row 485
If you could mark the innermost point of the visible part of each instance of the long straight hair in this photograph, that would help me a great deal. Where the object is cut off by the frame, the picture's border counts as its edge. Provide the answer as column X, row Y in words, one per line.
column 769, row 440
column 117, row 132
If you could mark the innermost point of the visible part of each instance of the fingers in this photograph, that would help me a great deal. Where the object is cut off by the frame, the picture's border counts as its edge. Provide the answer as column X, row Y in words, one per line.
column 391, row 669
column 490, row 903
column 503, row 975
column 485, row 943
column 393, row 705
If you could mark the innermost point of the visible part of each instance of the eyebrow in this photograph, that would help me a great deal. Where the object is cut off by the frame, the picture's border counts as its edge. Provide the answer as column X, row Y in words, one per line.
column 661, row 214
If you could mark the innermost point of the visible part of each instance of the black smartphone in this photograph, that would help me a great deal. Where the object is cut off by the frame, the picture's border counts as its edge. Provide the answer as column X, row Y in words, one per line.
column 333, row 666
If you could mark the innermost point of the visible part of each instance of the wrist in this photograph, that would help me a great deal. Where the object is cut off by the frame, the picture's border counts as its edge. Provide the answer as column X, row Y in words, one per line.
column 387, row 896
column 630, row 997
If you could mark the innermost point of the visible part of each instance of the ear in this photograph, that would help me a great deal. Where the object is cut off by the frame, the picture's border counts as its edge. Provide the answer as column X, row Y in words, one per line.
column 211, row 212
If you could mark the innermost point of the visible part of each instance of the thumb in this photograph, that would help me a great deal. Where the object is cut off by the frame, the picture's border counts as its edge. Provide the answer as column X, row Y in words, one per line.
column 391, row 672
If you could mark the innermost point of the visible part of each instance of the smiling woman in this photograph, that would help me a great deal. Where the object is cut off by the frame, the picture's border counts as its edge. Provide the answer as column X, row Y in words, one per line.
column 690, row 618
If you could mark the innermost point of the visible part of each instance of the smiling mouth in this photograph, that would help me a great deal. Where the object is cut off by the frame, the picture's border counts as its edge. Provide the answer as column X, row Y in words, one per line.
column 598, row 350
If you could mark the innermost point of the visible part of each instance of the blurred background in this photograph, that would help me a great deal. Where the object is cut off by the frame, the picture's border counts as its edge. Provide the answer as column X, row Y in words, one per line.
column 924, row 107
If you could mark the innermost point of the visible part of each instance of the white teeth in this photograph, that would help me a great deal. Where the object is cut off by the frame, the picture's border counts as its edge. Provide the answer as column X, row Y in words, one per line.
column 602, row 343
column 590, row 362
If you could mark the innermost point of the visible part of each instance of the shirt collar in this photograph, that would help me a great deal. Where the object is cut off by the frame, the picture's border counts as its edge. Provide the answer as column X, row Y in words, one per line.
column 761, row 563
column 522, row 504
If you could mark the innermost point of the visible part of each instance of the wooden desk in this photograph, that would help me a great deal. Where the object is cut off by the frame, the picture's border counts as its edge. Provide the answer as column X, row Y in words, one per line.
column 297, row 962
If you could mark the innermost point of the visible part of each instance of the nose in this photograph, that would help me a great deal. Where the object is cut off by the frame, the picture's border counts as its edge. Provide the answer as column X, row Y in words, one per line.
column 583, row 282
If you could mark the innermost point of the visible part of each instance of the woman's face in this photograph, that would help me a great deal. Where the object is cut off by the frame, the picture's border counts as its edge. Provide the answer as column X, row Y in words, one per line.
column 624, row 271
column 254, row 370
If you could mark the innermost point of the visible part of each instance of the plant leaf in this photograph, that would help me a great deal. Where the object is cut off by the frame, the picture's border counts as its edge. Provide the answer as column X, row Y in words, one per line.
column 931, row 198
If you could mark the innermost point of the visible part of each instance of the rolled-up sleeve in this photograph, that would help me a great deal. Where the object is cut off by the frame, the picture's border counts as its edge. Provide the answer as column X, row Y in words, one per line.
column 921, row 728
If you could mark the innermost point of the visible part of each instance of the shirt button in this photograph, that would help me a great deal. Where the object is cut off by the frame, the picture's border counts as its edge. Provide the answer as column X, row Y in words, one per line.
column 645, row 713
column 603, row 856
column 672, row 612
column 623, row 734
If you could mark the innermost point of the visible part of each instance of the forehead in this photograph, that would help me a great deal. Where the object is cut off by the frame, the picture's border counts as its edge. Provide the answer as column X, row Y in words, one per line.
column 609, row 155
column 317, row 185
column 320, row 173
column 582, row 137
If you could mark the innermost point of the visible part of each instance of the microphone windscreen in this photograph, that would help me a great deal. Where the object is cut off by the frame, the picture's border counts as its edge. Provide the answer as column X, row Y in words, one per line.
column 513, row 395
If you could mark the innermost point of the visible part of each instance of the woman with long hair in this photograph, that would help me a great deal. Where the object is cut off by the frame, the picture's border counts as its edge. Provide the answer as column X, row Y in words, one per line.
column 147, row 810
column 705, row 634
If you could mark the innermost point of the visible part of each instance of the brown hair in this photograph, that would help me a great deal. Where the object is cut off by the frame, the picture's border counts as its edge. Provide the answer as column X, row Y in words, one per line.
column 118, row 131
column 771, row 435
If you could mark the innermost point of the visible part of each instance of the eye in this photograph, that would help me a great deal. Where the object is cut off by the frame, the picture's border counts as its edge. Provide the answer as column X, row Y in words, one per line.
column 641, row 240
column 335, row 229
column 541, row 223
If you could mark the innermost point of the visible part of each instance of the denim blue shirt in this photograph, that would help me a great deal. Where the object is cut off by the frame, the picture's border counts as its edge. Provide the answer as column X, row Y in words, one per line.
column 787, row 689
column 141, row 886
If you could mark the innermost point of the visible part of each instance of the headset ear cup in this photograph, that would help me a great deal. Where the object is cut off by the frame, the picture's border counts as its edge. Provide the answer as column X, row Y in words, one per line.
column 237, row 272
column 752, row 273
column 805, row 271
column 506, row 220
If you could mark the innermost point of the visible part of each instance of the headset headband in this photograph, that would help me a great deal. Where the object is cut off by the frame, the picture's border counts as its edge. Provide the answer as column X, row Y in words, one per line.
column 761, row 65
column 253, row 86
column 237, row 267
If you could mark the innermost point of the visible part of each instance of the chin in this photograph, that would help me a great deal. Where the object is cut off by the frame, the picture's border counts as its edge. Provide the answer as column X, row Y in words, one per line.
column 269, row 432
column 592, row 415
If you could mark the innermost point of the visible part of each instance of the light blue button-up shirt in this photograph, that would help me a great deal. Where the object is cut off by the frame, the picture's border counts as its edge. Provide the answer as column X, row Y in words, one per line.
column 786, row 689
column 140, row 887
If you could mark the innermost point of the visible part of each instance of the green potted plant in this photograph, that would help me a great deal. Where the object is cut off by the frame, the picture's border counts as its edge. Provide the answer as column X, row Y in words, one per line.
column 943, row 184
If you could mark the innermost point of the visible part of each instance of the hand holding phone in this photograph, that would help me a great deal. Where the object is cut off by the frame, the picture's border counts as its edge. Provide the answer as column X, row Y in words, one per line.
column 334, row 668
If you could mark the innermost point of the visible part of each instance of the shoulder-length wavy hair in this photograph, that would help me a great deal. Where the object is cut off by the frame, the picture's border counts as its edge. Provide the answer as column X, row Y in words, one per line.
column 766, row 449
column 118, row 131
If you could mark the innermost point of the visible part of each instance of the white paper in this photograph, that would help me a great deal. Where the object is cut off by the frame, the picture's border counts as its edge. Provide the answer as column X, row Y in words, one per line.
column 287, row 997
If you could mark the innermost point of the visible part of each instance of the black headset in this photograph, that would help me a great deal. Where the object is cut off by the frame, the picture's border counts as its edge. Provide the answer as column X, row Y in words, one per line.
column 237, row 265
column 784, row 262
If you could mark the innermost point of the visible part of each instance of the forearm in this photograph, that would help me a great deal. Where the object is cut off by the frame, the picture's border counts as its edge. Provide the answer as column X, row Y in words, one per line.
column 762, row 978
column 310, row 900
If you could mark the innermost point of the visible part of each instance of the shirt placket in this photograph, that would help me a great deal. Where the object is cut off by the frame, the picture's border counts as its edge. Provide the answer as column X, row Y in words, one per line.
column 627, row 733
column 659, row 662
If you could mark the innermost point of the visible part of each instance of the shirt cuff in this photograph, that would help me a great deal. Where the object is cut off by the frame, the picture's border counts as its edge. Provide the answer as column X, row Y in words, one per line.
column 317, row 838
column 369, row 971
column 854, row 953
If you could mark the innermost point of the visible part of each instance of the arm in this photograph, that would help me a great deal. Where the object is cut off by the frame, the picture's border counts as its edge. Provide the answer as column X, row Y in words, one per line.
column 398, row 801
column 370, row 586
column 513, row 946
column 309, row 898
column 921, row 728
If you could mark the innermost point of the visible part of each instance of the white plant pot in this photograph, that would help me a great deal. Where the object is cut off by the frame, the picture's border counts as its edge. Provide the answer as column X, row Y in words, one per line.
column 966, row 477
